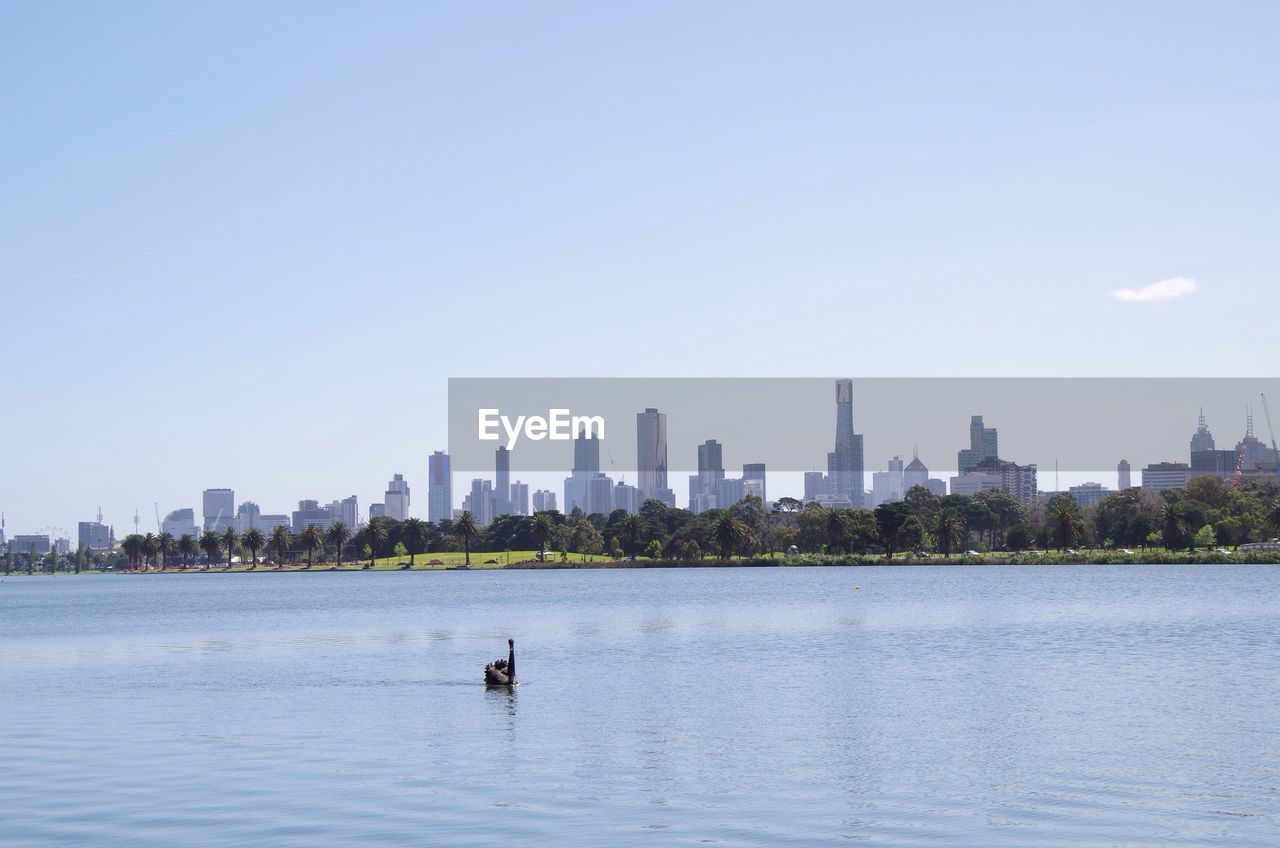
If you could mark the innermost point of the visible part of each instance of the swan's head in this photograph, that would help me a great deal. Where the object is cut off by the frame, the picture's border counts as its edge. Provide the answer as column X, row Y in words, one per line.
column 511, row 643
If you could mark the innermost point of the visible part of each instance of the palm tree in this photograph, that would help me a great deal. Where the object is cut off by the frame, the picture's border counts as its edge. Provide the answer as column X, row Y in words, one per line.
column 375, row 534
column 413, row 532
column 310, row 538
column 168, row 547
column 280, row 541
column 211, row 545
column 337, row 535
column 254, row 541
column 187, row 548
column 633, row 530
column 730, row 532
column 134, row 547
column 1063, row 519
column 230, row 540
column 465, row 529
column 543, row 530
column 151, row 545
column 949, row 528
column 1174, row 517
column 837, row 523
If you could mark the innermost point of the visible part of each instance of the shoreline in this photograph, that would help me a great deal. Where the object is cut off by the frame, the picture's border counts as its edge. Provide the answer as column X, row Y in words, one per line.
column 811, row 560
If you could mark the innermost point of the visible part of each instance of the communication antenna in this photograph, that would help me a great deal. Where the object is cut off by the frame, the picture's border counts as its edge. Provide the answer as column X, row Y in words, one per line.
column 136, row 519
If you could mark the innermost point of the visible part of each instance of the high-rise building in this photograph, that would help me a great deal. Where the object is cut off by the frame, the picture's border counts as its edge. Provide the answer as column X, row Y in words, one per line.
column 1020, row 481
column 728, row 492
column 710, row 473
column 480, row 501
column 627, row 497
column 1159, row 476
column 396, row 499
column 845, row 463
column 754, row 471
column 586, row 465
column 651, row 452
column 377, row 510
column 439, row 487
column 586, row 451
column 983, row 445
column 915, row 474
column 32, row 543
column 1253, row 455
column 1213, row 463
column 888, row 486
column 179, row 523
column 815, row 485
column 1122, row 472
column 1201, row 439
column 519, row 500
column 544, row 500
column 974, row 482
column 310, row 512
column 346, row 510
column 599, row 495
column 1088, row 494
column 247, row 516
column 93, row 535
column 502, row 481
column 219, row 509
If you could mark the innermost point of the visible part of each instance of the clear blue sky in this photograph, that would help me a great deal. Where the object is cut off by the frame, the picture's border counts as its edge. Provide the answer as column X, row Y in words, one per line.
column 246, row 244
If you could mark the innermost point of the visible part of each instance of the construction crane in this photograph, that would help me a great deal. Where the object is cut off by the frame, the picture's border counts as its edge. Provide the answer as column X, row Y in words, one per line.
column 1266, row 410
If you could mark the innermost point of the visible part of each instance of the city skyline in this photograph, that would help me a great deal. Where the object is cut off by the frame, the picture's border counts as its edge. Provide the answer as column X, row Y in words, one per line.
column 979, row 466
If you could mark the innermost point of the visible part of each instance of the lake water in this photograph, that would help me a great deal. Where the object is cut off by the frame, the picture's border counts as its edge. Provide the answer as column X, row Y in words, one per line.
column 975, row 706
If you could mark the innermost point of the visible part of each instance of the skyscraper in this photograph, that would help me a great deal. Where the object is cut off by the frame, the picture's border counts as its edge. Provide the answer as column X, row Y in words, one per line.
column 710, row 473
column 586, row 465
column 502, row 481
column 982, row 446
column 844, row 464
column 1201, row 439
column 480, row 501
column 219, row 509
column 544, row 500
column 396, row 499
column 439, row 487
column 1122, row 471
column 815, row 485
column 96, row 536
column 754, row 472
column 599, row 497
column 915, row 474
column 586, row 451
column 651, row 452
column 179, row 523
column 519, row 500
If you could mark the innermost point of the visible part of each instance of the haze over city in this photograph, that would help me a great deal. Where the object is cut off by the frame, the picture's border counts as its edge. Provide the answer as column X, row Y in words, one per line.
column 245, row 253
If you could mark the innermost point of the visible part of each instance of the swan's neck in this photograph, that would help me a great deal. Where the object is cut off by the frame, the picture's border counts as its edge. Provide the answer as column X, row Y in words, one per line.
column 511, row 664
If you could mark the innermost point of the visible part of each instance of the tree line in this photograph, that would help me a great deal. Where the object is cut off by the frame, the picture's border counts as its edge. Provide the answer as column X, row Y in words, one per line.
column 1207, row 513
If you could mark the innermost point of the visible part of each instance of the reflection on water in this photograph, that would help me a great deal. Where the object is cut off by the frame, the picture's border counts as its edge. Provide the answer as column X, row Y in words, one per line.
column 947, row 706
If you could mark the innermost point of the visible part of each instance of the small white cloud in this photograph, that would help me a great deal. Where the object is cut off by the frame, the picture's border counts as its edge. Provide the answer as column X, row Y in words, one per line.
column 1159, row 290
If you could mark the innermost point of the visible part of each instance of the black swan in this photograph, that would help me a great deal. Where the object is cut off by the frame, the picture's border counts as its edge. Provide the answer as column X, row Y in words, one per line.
column 502, row 672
